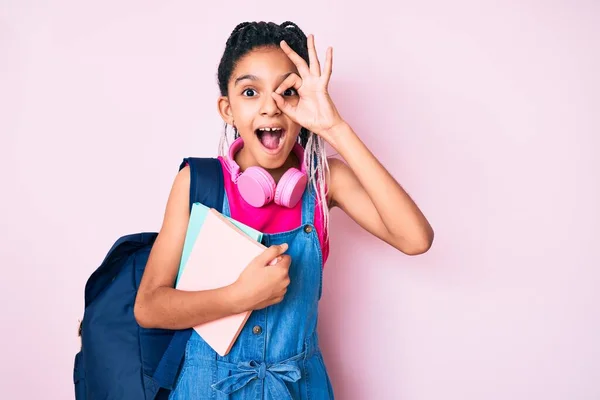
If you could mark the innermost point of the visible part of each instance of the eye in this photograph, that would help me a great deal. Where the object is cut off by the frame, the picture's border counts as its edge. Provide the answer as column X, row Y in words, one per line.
column 252, row 91
column 290, row 92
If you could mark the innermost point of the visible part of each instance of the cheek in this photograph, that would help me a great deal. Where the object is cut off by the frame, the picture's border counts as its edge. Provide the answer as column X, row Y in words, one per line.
column 245, row 114
column 294, row 139
column 297, row 129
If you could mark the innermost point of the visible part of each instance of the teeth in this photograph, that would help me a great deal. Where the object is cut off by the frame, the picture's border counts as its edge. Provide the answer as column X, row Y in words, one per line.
column 270, row 129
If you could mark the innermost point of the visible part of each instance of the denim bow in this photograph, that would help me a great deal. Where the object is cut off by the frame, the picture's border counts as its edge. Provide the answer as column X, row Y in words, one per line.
column 273, row 375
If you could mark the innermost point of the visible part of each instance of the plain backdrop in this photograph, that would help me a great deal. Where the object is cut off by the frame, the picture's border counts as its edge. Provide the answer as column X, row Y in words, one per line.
column 486, row 112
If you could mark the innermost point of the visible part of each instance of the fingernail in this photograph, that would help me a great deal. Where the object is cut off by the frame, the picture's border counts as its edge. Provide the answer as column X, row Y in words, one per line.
column 284, row 246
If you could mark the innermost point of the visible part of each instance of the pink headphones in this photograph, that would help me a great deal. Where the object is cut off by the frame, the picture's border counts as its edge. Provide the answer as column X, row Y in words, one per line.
column 258, row 187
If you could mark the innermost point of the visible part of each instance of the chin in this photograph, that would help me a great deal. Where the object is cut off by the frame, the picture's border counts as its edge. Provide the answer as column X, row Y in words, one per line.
column 270, row 161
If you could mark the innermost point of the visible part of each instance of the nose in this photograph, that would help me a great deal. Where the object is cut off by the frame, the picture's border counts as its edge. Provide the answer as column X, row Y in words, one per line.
column 269, row 106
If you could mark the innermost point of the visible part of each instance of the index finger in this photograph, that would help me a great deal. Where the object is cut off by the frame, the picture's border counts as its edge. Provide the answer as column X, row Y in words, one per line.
column 296, row 59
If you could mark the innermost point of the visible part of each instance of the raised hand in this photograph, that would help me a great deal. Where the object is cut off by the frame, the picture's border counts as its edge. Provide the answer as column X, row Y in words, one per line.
column 315, row 110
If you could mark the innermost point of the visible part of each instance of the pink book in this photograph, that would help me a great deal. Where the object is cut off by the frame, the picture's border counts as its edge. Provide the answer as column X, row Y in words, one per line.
column 220, row 253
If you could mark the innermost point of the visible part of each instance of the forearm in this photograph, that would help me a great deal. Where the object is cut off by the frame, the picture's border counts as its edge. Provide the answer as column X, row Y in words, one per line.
column 169, row 308
column 399, row 213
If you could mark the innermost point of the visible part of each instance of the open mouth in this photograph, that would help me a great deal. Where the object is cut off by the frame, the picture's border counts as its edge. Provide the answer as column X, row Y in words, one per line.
column 271, row 137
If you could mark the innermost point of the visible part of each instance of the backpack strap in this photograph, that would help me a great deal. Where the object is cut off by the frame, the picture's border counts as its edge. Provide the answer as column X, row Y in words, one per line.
column 206, row 187
column 206, row 182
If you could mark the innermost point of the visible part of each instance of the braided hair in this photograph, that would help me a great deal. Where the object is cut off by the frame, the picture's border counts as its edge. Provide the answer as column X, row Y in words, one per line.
column 249, row 36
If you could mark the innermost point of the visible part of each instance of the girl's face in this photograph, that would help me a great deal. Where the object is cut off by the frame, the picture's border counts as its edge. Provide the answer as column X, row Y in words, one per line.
column 268, row 134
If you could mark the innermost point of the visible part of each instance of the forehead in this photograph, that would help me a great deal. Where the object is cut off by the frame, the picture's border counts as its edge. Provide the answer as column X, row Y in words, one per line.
column 267, row 63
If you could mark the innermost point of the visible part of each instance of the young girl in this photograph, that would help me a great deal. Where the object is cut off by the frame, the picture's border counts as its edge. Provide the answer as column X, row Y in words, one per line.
column 274, row 96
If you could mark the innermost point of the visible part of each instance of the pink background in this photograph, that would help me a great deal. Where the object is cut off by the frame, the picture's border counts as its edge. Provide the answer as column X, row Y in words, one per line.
column 487, row 112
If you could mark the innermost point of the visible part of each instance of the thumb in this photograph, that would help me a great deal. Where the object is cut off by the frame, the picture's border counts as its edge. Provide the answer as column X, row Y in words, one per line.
column 270, row 255
column 283, row 105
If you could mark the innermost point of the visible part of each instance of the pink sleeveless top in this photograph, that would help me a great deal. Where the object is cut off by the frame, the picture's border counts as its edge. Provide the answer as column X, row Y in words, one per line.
column 271, row 218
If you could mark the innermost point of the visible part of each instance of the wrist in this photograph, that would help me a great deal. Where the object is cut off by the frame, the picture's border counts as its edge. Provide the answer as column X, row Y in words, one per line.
column 236, row 298
column 338, row 134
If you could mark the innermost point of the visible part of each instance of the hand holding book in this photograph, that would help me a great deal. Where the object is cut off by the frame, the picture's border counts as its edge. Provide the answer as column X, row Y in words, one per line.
column 220, row 252
column 264, row 281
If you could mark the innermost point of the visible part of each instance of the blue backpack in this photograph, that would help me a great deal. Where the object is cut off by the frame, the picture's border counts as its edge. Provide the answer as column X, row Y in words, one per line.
column 119, row 359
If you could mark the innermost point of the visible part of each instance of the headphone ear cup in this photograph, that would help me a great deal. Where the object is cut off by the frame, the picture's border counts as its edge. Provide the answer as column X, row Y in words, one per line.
column 290, row 188
column 256, row 186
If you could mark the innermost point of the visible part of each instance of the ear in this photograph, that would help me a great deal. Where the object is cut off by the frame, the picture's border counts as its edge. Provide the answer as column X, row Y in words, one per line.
column 225, row 109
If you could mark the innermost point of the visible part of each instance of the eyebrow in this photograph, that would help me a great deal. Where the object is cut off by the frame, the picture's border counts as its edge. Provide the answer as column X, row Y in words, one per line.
column 255, row 78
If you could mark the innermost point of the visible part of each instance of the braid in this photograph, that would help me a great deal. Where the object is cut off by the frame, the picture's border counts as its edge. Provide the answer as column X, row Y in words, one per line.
column 294, row 28
column 235, row 32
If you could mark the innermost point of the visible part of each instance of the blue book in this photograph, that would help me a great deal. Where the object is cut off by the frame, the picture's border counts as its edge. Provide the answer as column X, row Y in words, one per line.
column 197, row 217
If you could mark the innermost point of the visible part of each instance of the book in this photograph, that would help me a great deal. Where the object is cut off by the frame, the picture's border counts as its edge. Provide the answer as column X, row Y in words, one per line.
column 197, row 216
column 220, row 252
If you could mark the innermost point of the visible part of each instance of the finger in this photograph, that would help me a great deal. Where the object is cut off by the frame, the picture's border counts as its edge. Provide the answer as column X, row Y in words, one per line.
column 313, row 58
column 296, row 59
column 328, row 66
column 272, row 253
column 275, row 261
column 285, row 262
column 284, row 106
column 292, row 81
column 281, row 261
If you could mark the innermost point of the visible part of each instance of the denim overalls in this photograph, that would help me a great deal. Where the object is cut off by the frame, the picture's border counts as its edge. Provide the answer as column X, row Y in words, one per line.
column 277, row 354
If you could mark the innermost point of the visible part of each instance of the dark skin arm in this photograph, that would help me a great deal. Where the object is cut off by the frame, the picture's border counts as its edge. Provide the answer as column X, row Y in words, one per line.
column 159, row 305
